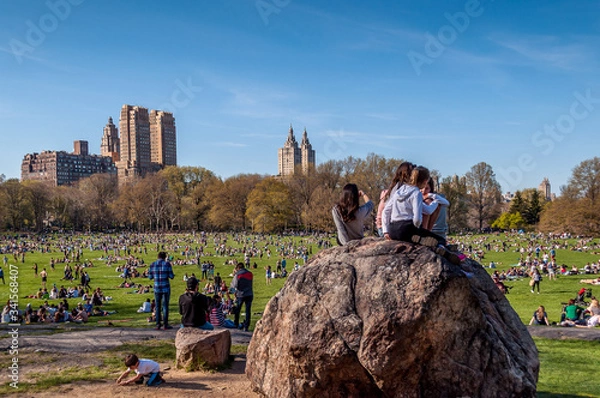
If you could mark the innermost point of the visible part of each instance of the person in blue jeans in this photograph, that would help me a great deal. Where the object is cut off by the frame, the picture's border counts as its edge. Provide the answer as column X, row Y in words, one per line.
column 161, row 271
column 242, row 284
column 142, row 368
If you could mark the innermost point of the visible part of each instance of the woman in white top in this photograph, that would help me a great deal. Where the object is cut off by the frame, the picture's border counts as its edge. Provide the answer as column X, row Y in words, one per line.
column 402, row 176
column 594, row 308
column 403, row 216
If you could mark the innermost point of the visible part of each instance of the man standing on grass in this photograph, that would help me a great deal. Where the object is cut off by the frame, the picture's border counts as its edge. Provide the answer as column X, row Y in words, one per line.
column 161, row 271
column 242, row 283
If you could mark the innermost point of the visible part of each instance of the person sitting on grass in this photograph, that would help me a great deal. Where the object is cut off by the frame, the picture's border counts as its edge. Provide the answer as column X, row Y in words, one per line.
column 146, row 307
column 142, row 368
column 540, row 317
column 193, row 307
column 217, row 317
column 571, row 313
column 81, row 315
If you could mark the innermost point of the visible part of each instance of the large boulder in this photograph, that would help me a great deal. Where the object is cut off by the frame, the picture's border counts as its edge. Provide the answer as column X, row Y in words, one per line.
column 197, row 349
column 391, row 319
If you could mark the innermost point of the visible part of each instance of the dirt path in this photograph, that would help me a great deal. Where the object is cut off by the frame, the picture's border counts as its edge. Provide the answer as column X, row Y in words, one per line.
column 81, row 340
column 230, row 383
column 76, row 346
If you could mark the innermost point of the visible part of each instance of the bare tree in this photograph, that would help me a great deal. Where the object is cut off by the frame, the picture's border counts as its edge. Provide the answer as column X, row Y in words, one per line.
column 99, row 191
column 585, row 180
column 12, row 196
column 38, row 196
column 455, row 190
column 483, row 193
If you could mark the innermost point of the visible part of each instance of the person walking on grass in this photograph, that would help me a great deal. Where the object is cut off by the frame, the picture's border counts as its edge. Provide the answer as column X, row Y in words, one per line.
column 161, row 271
column 536, row 278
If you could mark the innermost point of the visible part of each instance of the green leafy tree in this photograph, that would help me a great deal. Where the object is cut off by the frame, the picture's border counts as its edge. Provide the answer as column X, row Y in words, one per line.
column 268, row 206
column 509, row 221
column 533, row 208
column 518, row 204
column 228, row 199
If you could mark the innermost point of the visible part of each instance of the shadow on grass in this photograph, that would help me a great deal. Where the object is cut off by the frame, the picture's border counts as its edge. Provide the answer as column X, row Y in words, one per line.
column 542, row 394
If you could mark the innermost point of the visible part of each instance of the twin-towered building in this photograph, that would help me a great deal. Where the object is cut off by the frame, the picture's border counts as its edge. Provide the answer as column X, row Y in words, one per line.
column 291, row 155
column 147, row 143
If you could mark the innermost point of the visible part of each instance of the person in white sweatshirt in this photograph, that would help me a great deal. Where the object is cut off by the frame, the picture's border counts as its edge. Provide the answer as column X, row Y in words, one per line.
column 403, row 215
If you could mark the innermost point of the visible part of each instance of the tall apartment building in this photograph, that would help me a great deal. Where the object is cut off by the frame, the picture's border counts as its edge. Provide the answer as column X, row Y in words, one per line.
column 163, row 140
column 147, row 142
column 307, row 153
column 134, row 154
column 292, row 155
column 110, row 141
column 63, row 168
column 81, row 147
column 544, row 189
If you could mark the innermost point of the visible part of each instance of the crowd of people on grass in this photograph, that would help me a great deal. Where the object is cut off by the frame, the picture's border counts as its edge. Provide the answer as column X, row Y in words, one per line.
column 124, row 252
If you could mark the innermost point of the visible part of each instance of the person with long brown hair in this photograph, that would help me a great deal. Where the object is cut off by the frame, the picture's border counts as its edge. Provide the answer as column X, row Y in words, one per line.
column 540, row 317
column 402, row 176
column 349, row 216
column 403, row 216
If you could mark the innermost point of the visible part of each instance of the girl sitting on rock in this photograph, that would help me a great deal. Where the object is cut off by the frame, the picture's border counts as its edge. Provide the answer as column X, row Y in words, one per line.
column 403, row 216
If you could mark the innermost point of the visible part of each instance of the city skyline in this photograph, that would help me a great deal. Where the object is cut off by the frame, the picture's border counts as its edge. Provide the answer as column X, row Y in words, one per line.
column 443, row 84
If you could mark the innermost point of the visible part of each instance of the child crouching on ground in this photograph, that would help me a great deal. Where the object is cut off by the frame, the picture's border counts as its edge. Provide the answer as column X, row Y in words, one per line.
column 143, row 368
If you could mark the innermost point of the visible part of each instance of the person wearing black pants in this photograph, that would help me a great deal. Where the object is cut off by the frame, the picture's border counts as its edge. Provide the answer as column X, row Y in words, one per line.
column 242, row 283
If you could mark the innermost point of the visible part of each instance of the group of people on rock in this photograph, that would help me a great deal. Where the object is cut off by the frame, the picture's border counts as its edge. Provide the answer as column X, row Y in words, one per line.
column 409, row 210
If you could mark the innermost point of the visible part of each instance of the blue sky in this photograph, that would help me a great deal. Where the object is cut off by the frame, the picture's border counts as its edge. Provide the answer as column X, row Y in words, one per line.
column 446, row 84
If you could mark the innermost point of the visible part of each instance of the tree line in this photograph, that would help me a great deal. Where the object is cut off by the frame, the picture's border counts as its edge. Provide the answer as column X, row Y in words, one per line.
column 194, row 198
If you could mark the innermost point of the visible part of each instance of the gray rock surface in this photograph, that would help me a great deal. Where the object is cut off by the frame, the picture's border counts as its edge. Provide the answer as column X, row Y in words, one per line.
column 197, row 348
column 82, row 338
column 391, row 319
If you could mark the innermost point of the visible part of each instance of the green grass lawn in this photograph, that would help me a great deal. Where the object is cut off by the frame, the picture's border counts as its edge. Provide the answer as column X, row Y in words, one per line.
column 126, row 301
column 567, row 367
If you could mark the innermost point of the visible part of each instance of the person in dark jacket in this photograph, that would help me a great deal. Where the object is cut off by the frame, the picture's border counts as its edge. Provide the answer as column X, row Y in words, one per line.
column 242, row 284
column 193, row 307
